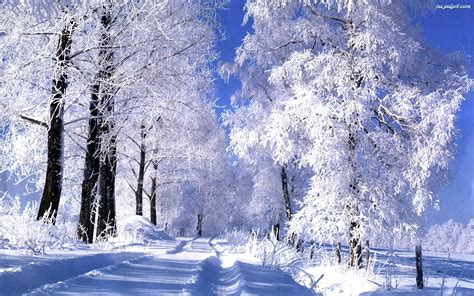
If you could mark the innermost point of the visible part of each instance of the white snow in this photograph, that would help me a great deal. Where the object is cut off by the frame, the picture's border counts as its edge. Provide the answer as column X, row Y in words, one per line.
column 185, row 266
column 161, row 265
column 442, row 276
column 141, row 228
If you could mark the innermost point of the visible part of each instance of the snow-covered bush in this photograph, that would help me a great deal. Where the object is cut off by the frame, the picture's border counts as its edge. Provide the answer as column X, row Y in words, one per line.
column 277, row 253
column 237, row 239
column 271, row 252
column 19, row 229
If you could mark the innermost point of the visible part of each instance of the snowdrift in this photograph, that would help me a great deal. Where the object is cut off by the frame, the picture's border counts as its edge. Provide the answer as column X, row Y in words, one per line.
column 140, row 228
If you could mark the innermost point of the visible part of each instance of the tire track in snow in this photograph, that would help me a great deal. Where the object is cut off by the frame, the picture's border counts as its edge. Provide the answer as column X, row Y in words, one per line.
column 180, row 246
column 173, row 272
column 216, row 278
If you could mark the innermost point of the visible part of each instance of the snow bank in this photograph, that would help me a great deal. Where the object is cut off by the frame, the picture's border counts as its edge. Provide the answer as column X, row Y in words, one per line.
column 141, row 229
column 26, row 274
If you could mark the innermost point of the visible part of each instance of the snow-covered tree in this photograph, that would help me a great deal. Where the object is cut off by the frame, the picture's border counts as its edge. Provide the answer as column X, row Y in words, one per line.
column 350, row 89
column 266, row 206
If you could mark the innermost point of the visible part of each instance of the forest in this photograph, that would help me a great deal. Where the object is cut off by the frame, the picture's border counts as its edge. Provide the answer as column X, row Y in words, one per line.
column 342, row 130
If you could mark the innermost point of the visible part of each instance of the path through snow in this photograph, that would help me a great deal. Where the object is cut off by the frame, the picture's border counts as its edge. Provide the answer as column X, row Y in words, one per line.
column 189, row 267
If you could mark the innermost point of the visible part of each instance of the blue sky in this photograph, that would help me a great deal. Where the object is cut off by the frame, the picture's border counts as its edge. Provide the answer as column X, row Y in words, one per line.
column 448, row 31
column 445, row 30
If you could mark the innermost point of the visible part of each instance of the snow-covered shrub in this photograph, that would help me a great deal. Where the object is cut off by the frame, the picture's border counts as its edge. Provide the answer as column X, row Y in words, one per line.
column 279, row 253
column 237, row 239
column 19, row 229
column 271, row 252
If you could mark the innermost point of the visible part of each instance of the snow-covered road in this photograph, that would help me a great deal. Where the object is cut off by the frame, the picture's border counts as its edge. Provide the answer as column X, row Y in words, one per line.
column 186, row 266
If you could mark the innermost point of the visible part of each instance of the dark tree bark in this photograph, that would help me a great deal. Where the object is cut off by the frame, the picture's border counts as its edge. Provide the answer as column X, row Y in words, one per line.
column 100, row 160
column 355, row 252
column 293, row 239
column 355, row 247
column 106, row 224
column 153, row 196
column 141, row 173
column 311, row 252
column 276, row 231
column 286, row 194
column 54, row 172
column 91, row 171
column 199, row 224
column 106, row 187
column 367, row 254
column 338, row 253
column 419, row 267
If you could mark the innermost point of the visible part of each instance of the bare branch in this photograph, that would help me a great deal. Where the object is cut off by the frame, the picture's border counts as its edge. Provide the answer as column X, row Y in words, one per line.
column 34, row 121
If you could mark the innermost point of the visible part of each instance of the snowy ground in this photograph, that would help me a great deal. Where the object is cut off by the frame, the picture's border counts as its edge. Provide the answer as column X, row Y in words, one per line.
column 161, row 265
column 184, row 266
column 395, row 275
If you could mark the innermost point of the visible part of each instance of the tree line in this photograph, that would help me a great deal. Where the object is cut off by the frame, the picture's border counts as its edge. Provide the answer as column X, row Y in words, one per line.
column 121, row 86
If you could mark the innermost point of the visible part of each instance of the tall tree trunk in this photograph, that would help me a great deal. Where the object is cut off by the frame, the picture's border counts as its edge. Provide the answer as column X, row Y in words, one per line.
column 141, row 173
column 153, row 195
column 106, row 224
column 355, row 252
column 49, row 204
column 97, row 164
